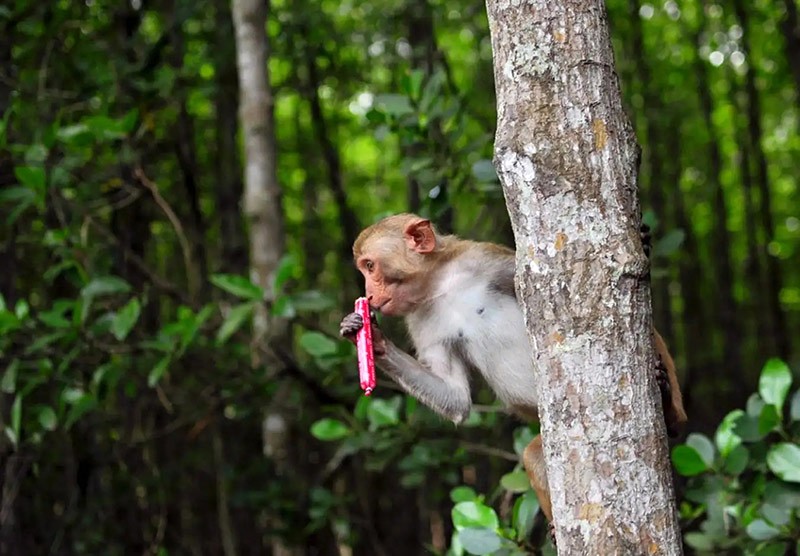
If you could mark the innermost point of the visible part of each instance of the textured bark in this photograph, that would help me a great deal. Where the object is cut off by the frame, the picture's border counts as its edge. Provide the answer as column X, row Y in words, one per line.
column 566, row 156
column 262, row 207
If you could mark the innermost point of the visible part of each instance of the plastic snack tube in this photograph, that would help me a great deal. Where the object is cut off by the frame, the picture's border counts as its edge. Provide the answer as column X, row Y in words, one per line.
column 366, row 359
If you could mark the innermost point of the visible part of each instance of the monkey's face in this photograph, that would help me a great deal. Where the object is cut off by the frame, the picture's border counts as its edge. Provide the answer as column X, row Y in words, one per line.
column 393, row 257
column 391, row 276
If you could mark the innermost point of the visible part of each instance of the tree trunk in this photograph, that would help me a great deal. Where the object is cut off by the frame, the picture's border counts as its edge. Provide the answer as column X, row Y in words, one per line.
column 727, row 309
column 791, row 36
column 568, row 167
column 753, row 272
column 262, row 207
column 228, row 187
column 774, row 277
column 657, row 184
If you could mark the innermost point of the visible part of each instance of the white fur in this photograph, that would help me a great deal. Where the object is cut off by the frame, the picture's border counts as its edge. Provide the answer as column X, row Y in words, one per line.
column 495, row 339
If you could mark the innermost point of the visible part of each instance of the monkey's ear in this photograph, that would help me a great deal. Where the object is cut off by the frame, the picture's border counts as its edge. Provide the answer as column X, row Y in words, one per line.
column 420, row 237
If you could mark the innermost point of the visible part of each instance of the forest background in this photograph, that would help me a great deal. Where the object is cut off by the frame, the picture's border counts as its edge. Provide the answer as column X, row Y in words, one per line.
column 140, row 416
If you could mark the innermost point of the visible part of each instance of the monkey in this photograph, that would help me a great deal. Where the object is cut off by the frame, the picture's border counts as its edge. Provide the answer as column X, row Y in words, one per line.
column 459, row 304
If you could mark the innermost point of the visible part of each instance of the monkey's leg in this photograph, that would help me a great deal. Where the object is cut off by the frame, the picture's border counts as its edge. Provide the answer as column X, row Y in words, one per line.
column 672, row 400
column 533, row 460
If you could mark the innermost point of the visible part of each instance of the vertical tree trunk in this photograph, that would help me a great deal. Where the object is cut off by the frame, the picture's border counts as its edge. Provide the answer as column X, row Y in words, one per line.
column 262, row 207
column 228, row 187
column 790, row 26
column 753, row 268
column 727, row 310
column 566, row 156
column 774, row 277
column 662, row 312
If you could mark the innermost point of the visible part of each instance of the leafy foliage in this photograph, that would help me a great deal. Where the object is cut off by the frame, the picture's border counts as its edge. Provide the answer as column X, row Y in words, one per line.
column 745, row 486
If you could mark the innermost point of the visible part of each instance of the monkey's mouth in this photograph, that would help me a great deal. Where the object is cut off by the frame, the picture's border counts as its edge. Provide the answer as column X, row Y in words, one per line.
column 380, row 307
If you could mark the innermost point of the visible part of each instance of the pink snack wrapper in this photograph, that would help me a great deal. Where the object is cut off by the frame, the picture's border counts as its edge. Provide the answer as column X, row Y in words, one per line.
column 366, row 359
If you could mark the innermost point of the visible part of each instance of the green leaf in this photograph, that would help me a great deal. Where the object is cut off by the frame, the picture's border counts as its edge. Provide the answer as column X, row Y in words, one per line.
column 82, row 405
column 33, row 177
column 769, row 420
column 700, row 541
column 312, row 301
column 525, row 510
column 772, row 549
column 234, row 320
column 703, row 446
column 760, row 530
column 754, row 405
column 776, row 515
column 394, row 105
column 382, row 412
column 774, row 383
column 669, row 243
column 736, row 461
column 725, row 438
column 318, row 345
column 794, row 412
column 158, row 370
column 687, row 461
column 288, row 268
column 9, row 382
column 125, row 319
column 746, row 428
column 522, row 437
column 47, row 418
column 784, row 460
column 516, row 481
column 463, row 494
column 238, row 286
column 474, row 514
column 17, row 194
column 105, row 285
column 16, row 415
column 479, row 540
column 329, row 429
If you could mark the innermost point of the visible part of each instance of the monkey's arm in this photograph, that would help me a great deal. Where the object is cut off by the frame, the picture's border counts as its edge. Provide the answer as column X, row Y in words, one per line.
column 439, row 381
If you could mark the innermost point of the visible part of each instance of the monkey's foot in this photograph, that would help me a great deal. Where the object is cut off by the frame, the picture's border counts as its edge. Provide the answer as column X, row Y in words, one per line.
column 551, row 532
column 644, row 235
column 350, row 325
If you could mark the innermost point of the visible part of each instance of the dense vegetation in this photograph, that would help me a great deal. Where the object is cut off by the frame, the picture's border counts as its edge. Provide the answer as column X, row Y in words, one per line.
column 134, row 418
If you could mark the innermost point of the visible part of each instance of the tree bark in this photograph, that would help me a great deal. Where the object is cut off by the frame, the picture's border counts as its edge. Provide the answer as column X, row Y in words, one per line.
column 262, row 207
column 566, row 156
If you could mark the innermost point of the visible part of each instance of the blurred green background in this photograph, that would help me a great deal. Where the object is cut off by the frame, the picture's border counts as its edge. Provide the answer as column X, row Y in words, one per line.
column 134, row 419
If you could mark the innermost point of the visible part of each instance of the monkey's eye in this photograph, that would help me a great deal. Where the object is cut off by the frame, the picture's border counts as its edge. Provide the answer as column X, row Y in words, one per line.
column 369, row 265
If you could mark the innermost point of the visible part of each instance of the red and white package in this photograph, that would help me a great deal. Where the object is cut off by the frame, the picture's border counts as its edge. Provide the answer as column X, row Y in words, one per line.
column 366, row 359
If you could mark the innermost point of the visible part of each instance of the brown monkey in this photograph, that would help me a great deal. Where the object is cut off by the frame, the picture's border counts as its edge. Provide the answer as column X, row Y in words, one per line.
column 459, row 304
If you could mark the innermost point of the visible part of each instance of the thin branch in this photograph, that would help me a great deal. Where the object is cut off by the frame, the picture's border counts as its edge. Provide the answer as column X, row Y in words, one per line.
column 186, row 247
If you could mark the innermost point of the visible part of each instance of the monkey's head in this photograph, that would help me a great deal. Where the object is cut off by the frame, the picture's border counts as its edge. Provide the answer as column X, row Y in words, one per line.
column 395, row 256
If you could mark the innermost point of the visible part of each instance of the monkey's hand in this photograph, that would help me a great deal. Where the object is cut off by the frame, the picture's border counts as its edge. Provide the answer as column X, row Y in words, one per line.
column 350, row 326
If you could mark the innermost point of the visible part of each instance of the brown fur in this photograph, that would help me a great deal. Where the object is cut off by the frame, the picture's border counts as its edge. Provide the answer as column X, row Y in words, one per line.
column 404, row 252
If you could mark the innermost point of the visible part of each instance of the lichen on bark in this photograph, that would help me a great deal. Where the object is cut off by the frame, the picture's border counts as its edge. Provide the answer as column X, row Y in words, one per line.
column 566, row 155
